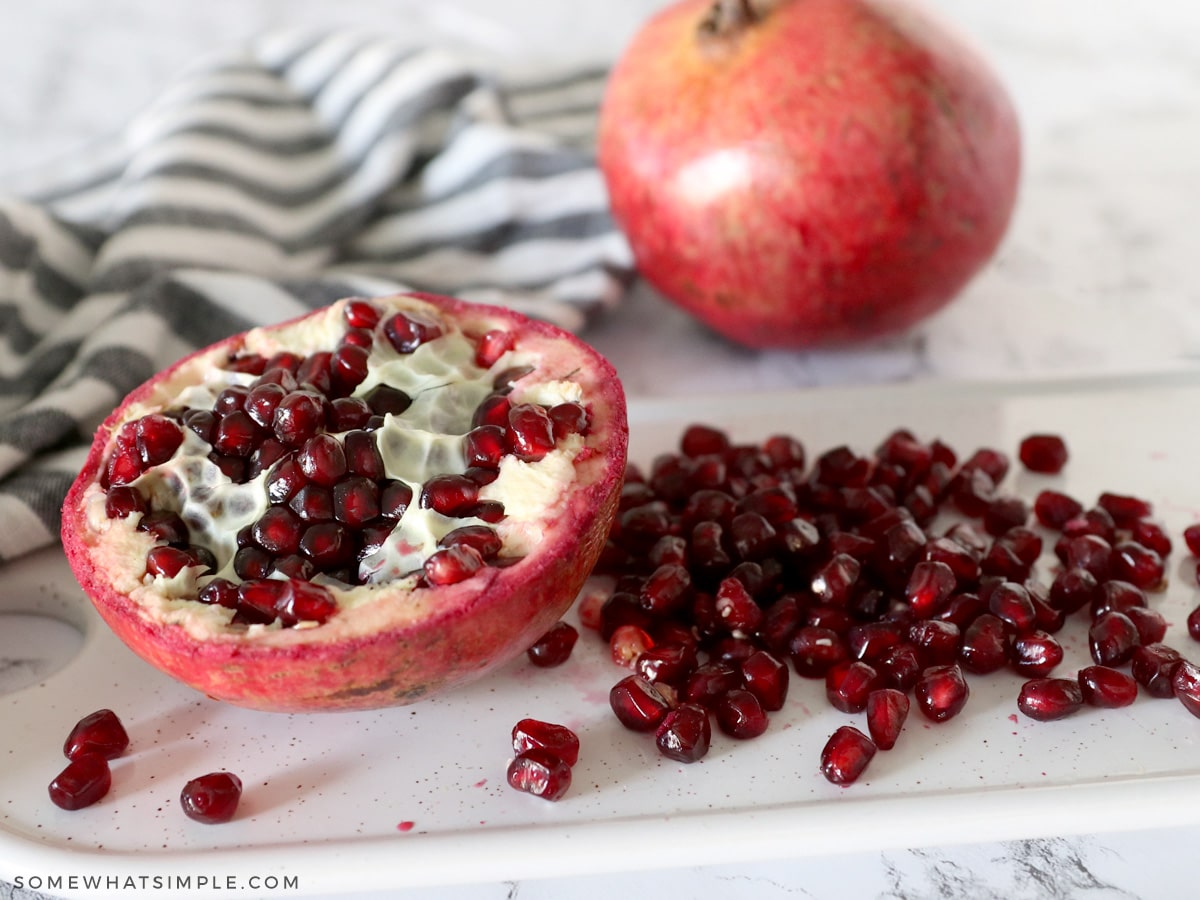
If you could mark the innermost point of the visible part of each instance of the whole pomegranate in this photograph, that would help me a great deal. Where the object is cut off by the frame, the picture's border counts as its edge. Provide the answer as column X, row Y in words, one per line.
column 804, row 172
column 354, row 509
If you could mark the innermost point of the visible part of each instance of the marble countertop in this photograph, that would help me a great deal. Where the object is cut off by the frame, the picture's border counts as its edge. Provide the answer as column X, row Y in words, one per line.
column 1096, row 277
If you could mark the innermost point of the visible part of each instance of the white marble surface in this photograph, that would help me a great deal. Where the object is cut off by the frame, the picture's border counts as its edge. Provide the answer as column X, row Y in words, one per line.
column 1096, row 276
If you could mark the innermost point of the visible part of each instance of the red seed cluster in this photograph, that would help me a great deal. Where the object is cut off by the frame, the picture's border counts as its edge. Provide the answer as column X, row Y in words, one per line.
column 302, row 422
column 545, row 753
column 893, row 577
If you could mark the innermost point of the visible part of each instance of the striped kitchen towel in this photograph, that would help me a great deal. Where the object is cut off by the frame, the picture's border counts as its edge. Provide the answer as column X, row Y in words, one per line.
column 270, row 181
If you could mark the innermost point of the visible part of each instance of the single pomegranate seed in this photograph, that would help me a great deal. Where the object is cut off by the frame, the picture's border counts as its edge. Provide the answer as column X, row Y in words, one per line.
column 1123, row 508
column 701, row 440
column 887, row 708
column 627, row 643
column 941, row 692
column 261, row 403
column 558, row 740
column 530, row 432
column 1035, row 654
column 493, row 345
column 298, row 417
column 848, row 683
column 1137, row 564
column 1150, row 624
column 834, row 581
column 930, row 585
column 452, row 565
column 869, row 641
column 1011, row 603
column 406, row 331
column 684, row 734
column 707, row 682
column 100, row 733
column 385, row 400
column 348, row 414
column 451, row 495
column 322, row 459
column 554, row 647
column 1050, row 698
column 312, row 503
column 284, row 359
column 232, row 399
column 157, row 439
column 667, row 662
column 167, row 561
column 1186, row 682
column 937, row 642
column 252, row 563
column 973, row 492
column 736, row 609
column 362, row 455
column 1153, row 535
column 356, row 501
column 348, row 367
column 85, row 780
column 166, row 527
column 1054, row 509
column 900, row 667
column 237, row 434
column 637, row 703
column 569, row 418
column 1153, row 667
column 740, row 715
column 766, row 677
column 211, row 799
column 1111, row 638
column 360, row 314
column 1090, row 552
column 249, row 363
column 1073, row 589
column 814, row 649
column 1191, row 537
column 123, row 501
column 328, row 544
column 278, row 531
column 394, row 499
column 1046, row 453
column 1106, row 687
column 1193, row 623
column 485, row 446
column 846, row 755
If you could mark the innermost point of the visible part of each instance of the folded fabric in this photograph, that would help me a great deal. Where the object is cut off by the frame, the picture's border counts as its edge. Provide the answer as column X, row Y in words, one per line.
column 270, row 181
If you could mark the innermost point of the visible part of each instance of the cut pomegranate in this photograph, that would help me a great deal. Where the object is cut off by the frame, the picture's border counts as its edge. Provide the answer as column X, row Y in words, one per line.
column 685, row 733
column 540, row 772
column 887, row 708
column 1050, row 698
column 320, row 451
column 846, row 755
column 211, row 799
column 560, row 740
column 100, row 733
column 554, row 647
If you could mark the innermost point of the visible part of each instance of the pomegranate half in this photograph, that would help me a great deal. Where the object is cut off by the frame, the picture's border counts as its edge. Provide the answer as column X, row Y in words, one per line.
column 358, row 508
column 807, row 172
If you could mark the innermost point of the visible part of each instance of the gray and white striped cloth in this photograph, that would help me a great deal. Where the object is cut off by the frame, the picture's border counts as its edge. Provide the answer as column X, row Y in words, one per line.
column 270, row 181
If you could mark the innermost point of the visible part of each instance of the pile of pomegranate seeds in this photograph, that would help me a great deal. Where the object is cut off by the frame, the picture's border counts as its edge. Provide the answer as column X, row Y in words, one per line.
column 301, row 429
column 893, row 577
column 545, row 753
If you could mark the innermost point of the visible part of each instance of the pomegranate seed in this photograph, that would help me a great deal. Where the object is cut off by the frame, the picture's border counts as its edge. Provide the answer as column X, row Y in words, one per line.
column 1090, row 552
column 701, row 440
column 941, row 692
column 766, row 677
column 249, row 363
column 846, row 755
column 637, row 703
column 85, row 780
column 237, row 435
column 1124, row 509
column 740, row 715
column 278, row 531
column 284, row 359
column 312, row 503
column 328, row 544
column 211, row 799
column 1004, row 513
column 1193, row 623
column 930, row 585
column 298, row 417
column 1054, row 509
column 869, row 641
column 451, row 495
column 887, row 708
column 202, row 422
column 709, row 681
column 166, row 527
column 1191, row 537
column 937, row 642
column 559, row 740
column 1045, row 453
column 356, row 501
column 1035, row 654
column 814, row 649
column 834, row 581
column 1106, row 687
column 157, row 439
column 406, row 331
column 667, row 663
column 100, row 733
column 1186, row 682
column 900, row 667
column 451, row 565
column 667, row 590
column 1073, row 589
column 684, row 734
column 360, row 314
column 1011, row 603
column 848, row 684
column 123, row 501
column 973, row 492
column 627, row 643
column 167, row 562
column 1150, row 624
column 252, row 563
column 554, row 647
column 530, row 432
column 1050, row 698
column 1111, row 638
column 736, row 609
column 1137, row 564
column 1153, row 667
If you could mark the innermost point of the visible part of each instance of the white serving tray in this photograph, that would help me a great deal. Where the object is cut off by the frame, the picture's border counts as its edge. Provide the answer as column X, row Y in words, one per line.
column 326, row 795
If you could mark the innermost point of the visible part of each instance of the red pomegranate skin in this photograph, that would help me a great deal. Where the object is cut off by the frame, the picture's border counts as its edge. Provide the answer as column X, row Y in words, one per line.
column 407, row 645
column 835, row 171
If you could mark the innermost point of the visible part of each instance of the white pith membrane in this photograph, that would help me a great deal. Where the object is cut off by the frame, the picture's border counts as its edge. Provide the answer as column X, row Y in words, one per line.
column 427, row 439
